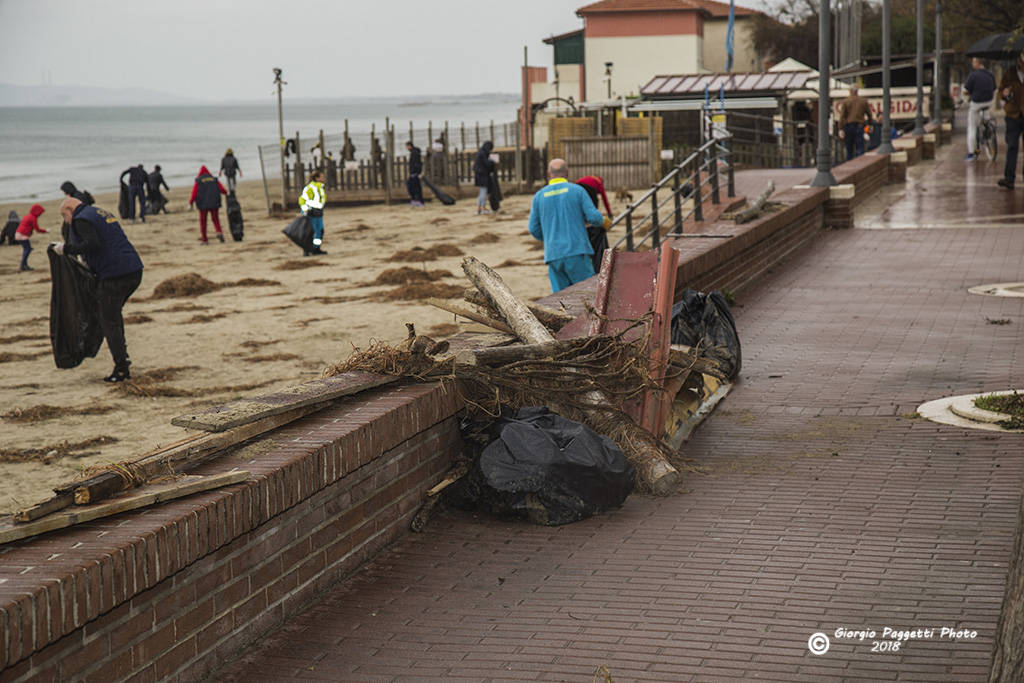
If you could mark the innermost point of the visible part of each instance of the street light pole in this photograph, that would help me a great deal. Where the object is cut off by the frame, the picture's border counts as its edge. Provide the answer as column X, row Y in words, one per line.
column 919, row 117
column 280, row 136
column 886, row 146
column 937, row 76
column 824, row 177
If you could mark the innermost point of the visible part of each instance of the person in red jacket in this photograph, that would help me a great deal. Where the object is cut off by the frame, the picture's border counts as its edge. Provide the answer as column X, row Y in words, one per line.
column 206, row 196
column 594, row 185
column 28, row 225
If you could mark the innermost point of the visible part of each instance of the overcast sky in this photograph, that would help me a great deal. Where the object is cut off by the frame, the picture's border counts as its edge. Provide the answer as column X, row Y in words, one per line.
column 225, row 49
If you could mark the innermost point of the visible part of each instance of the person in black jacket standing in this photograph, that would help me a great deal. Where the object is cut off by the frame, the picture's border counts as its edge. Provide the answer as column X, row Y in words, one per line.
column 229, row 167
column 137, row 179
column 412, row 184
column 482, row 167
column 96, row 235
column 157, row 200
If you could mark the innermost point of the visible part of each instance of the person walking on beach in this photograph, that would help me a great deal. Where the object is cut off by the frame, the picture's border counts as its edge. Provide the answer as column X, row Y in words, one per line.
column 10, row 229
column 97, row 237
column 157, row 200
column 412, row 183
column 206, row 194
column 854, row 112
column 311, row 203
column 28, row 225
column 229, row 167
column 1011, row 89
column 137, row 178
column 594, row 185
column 559, row 215
column 981, row 87
column 482, row 167
column 69, row 190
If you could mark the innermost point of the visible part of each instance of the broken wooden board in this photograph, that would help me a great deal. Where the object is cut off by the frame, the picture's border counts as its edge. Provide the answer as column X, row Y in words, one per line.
column 246, row 410
column 150, row 495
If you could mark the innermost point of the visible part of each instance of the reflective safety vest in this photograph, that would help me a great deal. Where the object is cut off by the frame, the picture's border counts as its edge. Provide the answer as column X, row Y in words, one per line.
column 312, row 196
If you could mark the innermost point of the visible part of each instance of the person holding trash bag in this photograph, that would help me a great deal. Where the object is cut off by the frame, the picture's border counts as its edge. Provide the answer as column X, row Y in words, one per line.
column 311, row 203
column 97, row 237
column 482, row 167
column 594, row 185
column 157, row 200
column 412, row 183
column 206, row 194
column 26, row 227
column 559, row 215
column 137, row 179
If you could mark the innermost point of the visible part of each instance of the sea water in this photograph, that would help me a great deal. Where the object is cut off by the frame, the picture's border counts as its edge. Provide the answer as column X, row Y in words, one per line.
column 41, row 147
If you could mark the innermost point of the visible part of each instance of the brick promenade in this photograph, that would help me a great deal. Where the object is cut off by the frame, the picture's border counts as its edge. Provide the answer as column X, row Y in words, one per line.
column 825, row 504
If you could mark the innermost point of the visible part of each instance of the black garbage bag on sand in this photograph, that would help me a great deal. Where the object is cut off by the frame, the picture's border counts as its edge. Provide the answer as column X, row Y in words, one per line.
column 300, row 231
column 124, row 204
column 704, row 322
column 542, row 467
column 75, row 332
column 235, row 221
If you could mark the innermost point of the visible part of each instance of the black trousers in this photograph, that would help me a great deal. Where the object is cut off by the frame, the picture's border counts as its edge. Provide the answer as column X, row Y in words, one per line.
column 111, row 296
column 412, row 184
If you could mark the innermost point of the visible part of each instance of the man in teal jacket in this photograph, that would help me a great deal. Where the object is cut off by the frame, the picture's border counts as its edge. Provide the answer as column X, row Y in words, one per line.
column 558, row 217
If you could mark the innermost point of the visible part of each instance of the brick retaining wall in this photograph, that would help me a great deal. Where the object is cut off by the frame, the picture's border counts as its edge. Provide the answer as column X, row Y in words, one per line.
column 174, row 591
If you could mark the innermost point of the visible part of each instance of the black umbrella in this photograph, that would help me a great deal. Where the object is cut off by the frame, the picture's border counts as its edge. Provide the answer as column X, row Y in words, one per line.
column 998, row 46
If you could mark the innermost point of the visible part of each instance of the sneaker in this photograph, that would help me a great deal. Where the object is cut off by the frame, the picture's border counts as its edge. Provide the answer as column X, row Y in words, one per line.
column 970, row 157
column 118, row 376
column 24, row 268
column 319, row 252
column 1004, row 182
column 220, row 237
column 203, row 243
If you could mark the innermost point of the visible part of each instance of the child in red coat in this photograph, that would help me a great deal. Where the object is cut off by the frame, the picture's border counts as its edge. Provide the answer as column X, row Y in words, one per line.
column 28, row 225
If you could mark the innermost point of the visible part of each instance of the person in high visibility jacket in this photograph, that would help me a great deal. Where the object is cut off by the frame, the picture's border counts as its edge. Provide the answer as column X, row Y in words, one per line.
column 311, row 203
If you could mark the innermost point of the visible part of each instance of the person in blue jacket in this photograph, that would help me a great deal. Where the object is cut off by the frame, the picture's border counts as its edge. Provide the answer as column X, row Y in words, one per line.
column 97, row 237
column 559, row 216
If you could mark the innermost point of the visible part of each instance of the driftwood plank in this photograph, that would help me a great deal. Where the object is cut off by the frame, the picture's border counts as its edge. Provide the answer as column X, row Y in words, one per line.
column 246, row 410
column 151, row 495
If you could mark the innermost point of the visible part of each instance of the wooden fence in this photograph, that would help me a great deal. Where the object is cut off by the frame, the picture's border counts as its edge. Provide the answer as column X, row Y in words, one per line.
column 624, row 162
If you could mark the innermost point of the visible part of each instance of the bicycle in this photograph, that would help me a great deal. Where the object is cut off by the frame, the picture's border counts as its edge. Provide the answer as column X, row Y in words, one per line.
column 987, row 136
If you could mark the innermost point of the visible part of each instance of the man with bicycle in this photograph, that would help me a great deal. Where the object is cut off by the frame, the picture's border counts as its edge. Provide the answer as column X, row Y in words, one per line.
column 981, row 86
column 1011, row 89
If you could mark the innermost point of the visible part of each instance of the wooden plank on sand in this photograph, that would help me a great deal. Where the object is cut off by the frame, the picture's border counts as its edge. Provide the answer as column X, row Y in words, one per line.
column 246, row 410
column 151, row 495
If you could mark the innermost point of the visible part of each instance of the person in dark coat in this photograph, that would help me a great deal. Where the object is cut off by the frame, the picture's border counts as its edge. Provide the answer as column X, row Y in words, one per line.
column 97, row 237
column 412, row 184
column 69, row 190
column 482, row 168
column 229, row 167
column 157, row 200
column 206, row 194
column 7, row 236
column 137, row 179
column 594, row 185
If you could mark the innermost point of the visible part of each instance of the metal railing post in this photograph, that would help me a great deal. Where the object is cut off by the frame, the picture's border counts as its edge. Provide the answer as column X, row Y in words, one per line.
column 732, row 177
column 714, row 178
column 677, row 202
column 698, row 211
column 655, row 228
column 629, row 228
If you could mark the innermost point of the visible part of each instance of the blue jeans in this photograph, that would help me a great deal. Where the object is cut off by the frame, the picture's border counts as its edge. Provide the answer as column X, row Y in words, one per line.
column 139, row 192
column 26, row 247
column 318, row 230
column 1014, row 129
column 854, row 136
column 569, row 270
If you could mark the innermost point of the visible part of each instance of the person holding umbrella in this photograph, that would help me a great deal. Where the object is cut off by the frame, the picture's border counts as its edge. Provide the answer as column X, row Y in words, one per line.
column 1011, row 90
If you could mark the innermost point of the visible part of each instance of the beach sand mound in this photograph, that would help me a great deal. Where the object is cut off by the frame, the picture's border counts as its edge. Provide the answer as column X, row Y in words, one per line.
column 485, row 238
column 419, row 254
column 414, row 292
column 406, row 275
column 299, row 265
column 190, row 284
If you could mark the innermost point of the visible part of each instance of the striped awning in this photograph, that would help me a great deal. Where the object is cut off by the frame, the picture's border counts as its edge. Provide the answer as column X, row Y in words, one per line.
column 681, row 84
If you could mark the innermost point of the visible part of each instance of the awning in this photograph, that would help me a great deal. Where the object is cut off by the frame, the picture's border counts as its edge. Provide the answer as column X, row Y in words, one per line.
column 698, row 104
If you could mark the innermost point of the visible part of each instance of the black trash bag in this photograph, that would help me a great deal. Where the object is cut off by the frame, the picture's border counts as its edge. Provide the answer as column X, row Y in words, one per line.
column 300, row 231
column 235, row 222
column 703, row 321
column 75, row 332
column 124, row 203
column 441, row 195
column 494, row 195
column 544, row 468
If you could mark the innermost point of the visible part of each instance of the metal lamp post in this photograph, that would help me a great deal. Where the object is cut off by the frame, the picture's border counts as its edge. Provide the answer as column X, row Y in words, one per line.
column 280, row 132
column 937, row 76
column 886, row 146
column 824, row 177
column 919, row 116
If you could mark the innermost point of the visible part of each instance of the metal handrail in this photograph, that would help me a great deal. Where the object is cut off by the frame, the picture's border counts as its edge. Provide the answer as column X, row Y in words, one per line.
column 714, row 152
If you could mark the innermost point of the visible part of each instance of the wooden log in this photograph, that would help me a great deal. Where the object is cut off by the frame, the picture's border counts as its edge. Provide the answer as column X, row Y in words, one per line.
column 183, row 457
column 551, row 318
column 157, row 493
column 652, row 467
column 471, row 315
column 751, row 211
column 501, row 355
column 58, row 502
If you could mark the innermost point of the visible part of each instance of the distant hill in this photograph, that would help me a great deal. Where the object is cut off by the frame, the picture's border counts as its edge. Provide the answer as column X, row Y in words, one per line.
column 82, row 96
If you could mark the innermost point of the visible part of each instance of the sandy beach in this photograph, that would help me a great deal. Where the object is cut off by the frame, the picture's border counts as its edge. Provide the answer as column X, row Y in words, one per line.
column 271, row 319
